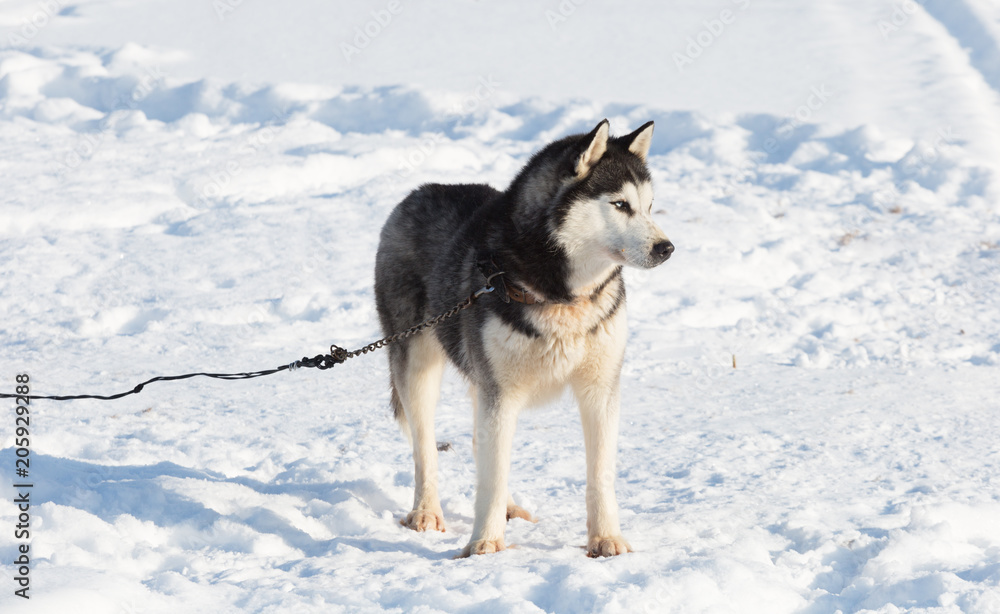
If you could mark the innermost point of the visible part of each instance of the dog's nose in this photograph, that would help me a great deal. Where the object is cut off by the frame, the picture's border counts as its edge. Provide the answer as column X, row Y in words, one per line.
column 662, row 250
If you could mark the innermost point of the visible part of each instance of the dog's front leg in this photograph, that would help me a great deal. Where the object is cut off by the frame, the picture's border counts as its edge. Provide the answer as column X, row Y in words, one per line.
column 599, row 408
column 495, row 423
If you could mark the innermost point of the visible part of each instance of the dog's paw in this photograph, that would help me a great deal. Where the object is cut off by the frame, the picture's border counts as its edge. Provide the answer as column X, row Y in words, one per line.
column 607, row 546
column 482, row 546
column 424, row 520
column 516, row 511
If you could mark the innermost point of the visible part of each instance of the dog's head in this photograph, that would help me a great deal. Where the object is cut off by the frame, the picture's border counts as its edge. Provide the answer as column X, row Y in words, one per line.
column 603, row 213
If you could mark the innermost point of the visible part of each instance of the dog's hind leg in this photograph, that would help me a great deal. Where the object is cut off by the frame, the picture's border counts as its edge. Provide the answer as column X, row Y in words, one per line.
column 516, row 511
column 416, row 379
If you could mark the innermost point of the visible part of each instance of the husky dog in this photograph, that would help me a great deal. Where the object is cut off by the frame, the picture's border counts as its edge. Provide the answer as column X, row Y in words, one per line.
column 554, row 244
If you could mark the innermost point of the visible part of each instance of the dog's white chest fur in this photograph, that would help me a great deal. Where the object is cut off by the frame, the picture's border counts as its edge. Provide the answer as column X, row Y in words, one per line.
column 574, row 342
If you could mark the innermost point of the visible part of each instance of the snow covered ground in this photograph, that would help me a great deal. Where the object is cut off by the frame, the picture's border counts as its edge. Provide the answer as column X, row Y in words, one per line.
column 199, row 185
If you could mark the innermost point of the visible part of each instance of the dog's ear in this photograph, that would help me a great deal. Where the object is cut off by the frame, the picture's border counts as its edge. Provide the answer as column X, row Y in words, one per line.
column 593, row 146
column 639, row 141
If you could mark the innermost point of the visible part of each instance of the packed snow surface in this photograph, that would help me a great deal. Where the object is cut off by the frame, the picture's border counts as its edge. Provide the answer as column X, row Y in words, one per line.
column 810, row 389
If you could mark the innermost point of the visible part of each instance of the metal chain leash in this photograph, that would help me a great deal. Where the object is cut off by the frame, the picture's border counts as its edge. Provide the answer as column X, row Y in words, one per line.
column 336, row 356
column 339, row 354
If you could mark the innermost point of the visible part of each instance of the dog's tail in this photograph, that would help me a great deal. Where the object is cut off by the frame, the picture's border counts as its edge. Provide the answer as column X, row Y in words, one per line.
column 397, row 408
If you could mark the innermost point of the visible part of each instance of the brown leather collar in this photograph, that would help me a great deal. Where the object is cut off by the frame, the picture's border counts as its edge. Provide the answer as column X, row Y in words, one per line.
column 521, row 295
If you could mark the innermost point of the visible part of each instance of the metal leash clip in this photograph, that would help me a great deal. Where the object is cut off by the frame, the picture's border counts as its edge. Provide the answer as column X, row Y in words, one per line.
column 488, row 268
column 489, row 287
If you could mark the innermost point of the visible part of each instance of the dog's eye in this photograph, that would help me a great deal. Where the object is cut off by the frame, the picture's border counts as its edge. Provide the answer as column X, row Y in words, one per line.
column 622, row 205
